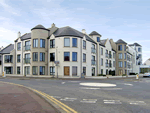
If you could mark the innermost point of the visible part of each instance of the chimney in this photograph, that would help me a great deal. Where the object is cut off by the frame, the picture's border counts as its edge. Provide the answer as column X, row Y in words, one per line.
column 19, row 34
column 53, row 25
column 83, row 31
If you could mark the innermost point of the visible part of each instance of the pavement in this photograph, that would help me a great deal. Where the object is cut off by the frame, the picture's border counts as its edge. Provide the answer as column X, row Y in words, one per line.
column 15, row 99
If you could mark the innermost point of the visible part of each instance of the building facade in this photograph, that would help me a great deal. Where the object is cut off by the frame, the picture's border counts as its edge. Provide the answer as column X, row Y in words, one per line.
column 36, row 53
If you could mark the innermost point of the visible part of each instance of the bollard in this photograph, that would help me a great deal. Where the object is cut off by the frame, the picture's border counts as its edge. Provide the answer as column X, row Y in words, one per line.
column 137, row 76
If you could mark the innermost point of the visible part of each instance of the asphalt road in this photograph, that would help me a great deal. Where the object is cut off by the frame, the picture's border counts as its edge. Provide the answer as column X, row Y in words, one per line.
column 128, row 96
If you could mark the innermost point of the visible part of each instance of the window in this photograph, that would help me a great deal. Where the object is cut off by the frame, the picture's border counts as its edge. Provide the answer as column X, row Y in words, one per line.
column 19, row 46
column 98, row 39
column 35, row 56
column 52, row 43
column 42, row 56
column 27, row 45
column 42, row 70
column 84, row 57
column 42, row 43
column 8, row 58
column 139, row 49
column 52, row 70
column 125, row 64
column 18, row 70
column 74, row 56
column 27, row 70
column 66, row 56
column 93, row 71
column 18, row 58
column 120, row 55
column 35, row 43
column 120, row 63
column 124, row 55
column 74, row 42
column 101, row 62
column 27, row 58
column 113, row 55
column 35, row 70
column 101, row 51
column 93, row 46
column 124, row 47
column 140, row 55
column 106, row 71
column 74, row 70
column 84, row 70
column 8, row 70
column 84, row 44
column 114, row 64
column 67, row 42
column 120, row 47
column 52, row 57
column 101, row 71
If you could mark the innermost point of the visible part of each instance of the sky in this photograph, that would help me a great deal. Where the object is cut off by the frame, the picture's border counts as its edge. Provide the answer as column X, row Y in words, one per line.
column 128, row 20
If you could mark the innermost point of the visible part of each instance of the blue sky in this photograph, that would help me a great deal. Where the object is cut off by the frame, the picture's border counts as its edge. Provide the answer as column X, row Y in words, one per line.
column 114, row 19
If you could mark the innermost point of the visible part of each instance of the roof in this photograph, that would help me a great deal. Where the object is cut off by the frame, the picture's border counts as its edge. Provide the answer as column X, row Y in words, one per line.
column 136, row 44
column 94, row 33
column 39, row 27
column 102, row 42
column 7, row 49
column 68, row 31
column 120, row 41
column 24, row 37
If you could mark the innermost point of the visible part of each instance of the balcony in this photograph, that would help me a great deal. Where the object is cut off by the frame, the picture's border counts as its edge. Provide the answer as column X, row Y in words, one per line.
column 106, row 55
column 27, row 48
column 106, row 64
column 27, row 60
column 110, row 56
column 93, row 62
column 110, row 64
column 93, row 50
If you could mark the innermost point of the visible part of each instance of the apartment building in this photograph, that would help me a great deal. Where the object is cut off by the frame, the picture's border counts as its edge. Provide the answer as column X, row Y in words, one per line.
column 36, row 53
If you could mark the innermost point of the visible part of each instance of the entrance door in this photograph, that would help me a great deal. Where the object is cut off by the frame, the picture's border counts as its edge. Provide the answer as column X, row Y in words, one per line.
column 120, row 72
column 66, row 71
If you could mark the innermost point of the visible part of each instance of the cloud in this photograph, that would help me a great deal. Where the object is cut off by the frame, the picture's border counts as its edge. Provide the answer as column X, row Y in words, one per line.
column 8, row 8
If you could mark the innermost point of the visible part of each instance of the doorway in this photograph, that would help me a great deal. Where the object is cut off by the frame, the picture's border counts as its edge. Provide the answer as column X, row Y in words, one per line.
column 66, row 71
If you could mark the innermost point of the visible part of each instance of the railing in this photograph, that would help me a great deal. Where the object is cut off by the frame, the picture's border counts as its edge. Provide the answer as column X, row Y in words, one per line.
column 93, row 50
column 27, row 60
column 8, row 61
column 106, row 55
column 110, row 56
column 27, row 48
column 106, row 64
column 93, row 62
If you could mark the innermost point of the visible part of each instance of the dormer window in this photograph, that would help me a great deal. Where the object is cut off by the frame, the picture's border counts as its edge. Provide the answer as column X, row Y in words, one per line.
column 98, row 39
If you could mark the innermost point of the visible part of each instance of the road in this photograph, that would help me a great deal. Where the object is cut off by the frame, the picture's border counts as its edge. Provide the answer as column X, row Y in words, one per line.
column 96, row 96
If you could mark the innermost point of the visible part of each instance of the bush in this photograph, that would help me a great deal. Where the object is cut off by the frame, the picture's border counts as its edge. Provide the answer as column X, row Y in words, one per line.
column 100, row 75
column 124, row 75
column 104, row 75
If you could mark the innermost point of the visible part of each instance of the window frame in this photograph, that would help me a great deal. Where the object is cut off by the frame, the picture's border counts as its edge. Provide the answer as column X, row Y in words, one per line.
column 65, row 42
column 34, row 56
column 101, row 51
column 53, row 70
column 35, row 43
column 65, row 56
column 76, row 70
column 52, row 54
column 43, row 70
column 84, row 44
column 76, row 42
column 119, row 47
column 17, row 69
column 120, row 64
column 18, row 44
column 76, row 57
column 120, row 55
column 84, row 59
column 36, row 71
column 52, row 43
column 42, row 43
column 19, row 60
column 98, row 38
column 42, row 54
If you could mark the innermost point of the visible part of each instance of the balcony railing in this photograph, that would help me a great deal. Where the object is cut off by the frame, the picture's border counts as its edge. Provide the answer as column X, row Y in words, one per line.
column 110, row 64
column 106, row 64
column 93, row 62
column 110, row 56
column 106, row 55
column 27, row 60
column 27, row 48
column 93, row 50
column 8, row 61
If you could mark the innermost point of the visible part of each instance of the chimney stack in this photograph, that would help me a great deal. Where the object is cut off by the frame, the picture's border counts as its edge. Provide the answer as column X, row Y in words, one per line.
column 83, row 31
column 19, row 34
column 53, row 25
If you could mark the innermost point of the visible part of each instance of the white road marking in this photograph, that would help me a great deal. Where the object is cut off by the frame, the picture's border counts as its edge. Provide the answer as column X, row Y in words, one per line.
column 137, row 102
column 88, row 88
column 69, row 99
column 56, row 96
column 63, row 82
column 98, row 84
column 111, row 88
column 89, row 101
column 112, row 102
column 128, row 84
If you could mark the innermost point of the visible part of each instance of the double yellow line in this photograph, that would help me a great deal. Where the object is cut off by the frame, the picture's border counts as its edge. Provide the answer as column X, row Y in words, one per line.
column 66, row 108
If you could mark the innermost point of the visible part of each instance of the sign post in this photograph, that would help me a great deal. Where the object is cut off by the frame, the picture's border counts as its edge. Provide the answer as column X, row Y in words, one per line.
column 57, row 62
